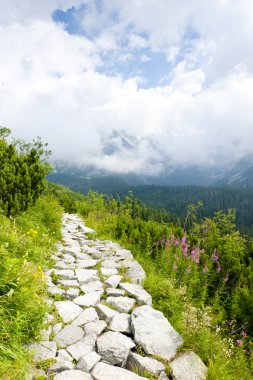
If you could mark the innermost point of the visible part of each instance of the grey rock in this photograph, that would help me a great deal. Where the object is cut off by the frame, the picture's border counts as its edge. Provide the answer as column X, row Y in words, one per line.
column 121, row 323
column 73, row 375
column 93, row 286
column 87, row 315
column 45, row 334
column 86, row 275
column 68, row 283
column 144, row 364
column 55, row 290
column 89, row 299
column 68, row 258
column 72, row 293
column 96, row 327
column 112, row 292
column 114, row 347
column 43, row 351
column 121, row 304
column 154, row 333
column 60, row 365
column 60, row 265
column 64, row 355
column 89, row 263
column 57, row 328
column 163, row 376
column 68, row 335
column 137, row 292
column 82, row 347
column 103, row 371
column 188, row 366
column 65, row 274
column 87, row 362
column 110, row 264
column 113, row 281
column 136, row 273
column 82, row 256
column 68, row 310
column 105, row 312
column 109, row 271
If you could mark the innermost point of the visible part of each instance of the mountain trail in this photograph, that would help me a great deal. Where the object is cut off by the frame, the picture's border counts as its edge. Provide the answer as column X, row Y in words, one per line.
column 103, row 326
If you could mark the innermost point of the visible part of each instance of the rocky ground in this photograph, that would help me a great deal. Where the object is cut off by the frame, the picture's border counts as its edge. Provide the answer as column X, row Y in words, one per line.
column 103, row 326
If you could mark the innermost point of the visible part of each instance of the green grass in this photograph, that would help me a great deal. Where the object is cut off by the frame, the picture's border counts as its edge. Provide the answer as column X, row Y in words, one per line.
column 26, row 244
column 197, row 325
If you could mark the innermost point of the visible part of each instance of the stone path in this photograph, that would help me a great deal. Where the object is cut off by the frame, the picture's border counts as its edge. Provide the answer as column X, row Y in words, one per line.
column 104, row 326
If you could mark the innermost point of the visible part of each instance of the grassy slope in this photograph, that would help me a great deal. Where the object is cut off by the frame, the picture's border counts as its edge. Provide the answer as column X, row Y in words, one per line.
column 25, row 246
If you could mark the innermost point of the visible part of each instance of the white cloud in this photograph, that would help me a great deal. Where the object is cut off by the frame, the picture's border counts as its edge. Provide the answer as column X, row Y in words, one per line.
column 202, row 114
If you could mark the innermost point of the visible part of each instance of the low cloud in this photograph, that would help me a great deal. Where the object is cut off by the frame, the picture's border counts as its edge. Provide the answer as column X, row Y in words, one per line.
column 52, row 85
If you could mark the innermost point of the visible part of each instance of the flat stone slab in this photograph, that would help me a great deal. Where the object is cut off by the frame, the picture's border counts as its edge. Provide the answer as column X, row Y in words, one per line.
column 60, row 265
column 87, row 362
column 103, row 371
column 105, row 312
column 136, row 273
column 82, row 347
column 68, row 283
column 72, row 293
column 86, row 275
column 87, row 315
column 114, row 347
column 68, row 335
column 55, row 290
column 153, row 332
column 89, row 263
column 73, row 375
column 109, row 271
column 121, row 323
column 61, row 365
column 110, row 264
column 137, row 292
column 89, row 299
column 68, row 310
column 93, row 286
column 65, row 274
column 96, row 327
column 188, row 366
column 113, row 281
column 43, row 351
column 112, row 292
column 121, row 304
column 144, row 365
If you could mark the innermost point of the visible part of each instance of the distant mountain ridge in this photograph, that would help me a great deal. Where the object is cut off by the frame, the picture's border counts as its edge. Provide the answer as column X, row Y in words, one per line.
column 84, row 178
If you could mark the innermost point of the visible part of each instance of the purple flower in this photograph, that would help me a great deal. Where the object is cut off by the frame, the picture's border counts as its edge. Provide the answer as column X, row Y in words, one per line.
column 188, row 270
column 218, row 268
column 214, row 256
column 239, row 342
column 185, row 252
column 244, row 334
column 183, row 239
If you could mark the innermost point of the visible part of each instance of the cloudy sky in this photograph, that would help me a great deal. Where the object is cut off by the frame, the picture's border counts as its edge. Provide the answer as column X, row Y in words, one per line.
column 130, row 86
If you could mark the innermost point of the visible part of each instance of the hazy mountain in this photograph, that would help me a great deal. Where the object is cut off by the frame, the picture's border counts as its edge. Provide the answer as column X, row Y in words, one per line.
column 80, row 178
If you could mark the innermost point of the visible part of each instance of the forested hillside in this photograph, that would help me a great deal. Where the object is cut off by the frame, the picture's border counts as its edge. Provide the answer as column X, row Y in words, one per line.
column 175, row 200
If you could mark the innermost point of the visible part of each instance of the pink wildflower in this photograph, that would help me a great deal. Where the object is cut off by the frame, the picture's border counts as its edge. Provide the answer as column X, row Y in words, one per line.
column 244, row 334
column 239, row 342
